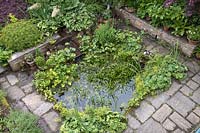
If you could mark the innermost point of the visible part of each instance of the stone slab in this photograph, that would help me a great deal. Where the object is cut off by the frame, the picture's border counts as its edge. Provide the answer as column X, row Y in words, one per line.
column 169, row 125
column 132, row 122
column 193, row 85
column 161, row 114
column 15, row 93
column 151, row 126
column 51, row 119
column 196, row 78
column 194, row 119
column 181, row 104
column 186, row 90
column 197, row 111
column 2, row 69
column 43, row 108
column 174, row 88
column 144, row 111
column 180, row 121
column 33, row 101
column 12, row 79
column 28, row 88
column 158, row 100
column 196, row 96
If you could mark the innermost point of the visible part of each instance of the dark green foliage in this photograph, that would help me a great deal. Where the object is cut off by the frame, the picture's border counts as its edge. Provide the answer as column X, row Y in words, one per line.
column 20, row 35
column 21, row 122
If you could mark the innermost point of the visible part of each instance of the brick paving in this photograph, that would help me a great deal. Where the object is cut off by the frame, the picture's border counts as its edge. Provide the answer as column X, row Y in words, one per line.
column 177, row 110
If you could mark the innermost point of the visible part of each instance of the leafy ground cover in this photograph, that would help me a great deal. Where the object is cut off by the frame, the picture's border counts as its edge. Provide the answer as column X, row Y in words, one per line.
column 14, row 121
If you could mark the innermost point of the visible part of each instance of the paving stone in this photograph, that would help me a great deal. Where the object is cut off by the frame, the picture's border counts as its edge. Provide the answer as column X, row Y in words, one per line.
column 33, row 101
column 132, row 122
column 144, row 111
column 178, row 131
column 196, row 78
column 173, row 89
column 43, row 125
column 51, row 119
column 151, row 126
column 193, row 66
column 186, row 90
column 180, row 121
column 158, row 100
column 28, row 88
column 15, row 93
column 12, row 79
column 2, row 69
column 169, row 125
column 190, row 74
column 161, row 114
column 5, row 85
column 20, row 106
column 3, row 79
column 128, row 130
column 196, row 96
column 194, row 119
column 181, row 104
column 197, row 110
column 45, row 107
column 193, row 85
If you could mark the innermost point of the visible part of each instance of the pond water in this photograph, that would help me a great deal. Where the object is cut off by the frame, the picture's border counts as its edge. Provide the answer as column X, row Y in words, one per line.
column 84, row 93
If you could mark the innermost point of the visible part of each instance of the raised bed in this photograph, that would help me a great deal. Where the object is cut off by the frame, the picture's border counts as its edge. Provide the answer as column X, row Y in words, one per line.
column 17, row 59
column 184, row 46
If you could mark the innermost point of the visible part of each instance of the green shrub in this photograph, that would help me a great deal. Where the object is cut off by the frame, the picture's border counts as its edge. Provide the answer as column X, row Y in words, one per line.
column 21, row 122
column 20, row 35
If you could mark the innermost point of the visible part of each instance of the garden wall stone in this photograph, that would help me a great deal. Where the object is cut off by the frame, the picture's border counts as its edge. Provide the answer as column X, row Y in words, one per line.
column 17, row 59
column 185, row 47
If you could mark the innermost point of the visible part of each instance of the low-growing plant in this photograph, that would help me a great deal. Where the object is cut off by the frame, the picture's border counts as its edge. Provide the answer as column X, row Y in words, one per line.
column 157, row 76
column 20, row 35
column 21, row 122
column 92, row 120
column 58, row 72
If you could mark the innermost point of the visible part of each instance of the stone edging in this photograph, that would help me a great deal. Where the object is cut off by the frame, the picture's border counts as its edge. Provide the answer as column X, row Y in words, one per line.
column 185, row 47
column 17, row 58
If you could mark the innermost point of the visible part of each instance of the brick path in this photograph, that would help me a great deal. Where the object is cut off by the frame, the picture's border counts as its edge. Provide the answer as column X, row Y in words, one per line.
column 176, row 110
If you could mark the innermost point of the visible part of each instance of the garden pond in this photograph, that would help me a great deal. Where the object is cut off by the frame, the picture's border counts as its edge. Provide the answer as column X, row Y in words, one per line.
column 83, row 93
